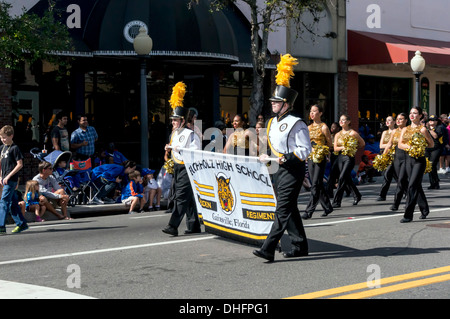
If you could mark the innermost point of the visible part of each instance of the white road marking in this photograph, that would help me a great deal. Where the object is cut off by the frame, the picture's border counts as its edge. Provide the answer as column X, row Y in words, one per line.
column 98, row 251
column 16, row 290
column 357, row 219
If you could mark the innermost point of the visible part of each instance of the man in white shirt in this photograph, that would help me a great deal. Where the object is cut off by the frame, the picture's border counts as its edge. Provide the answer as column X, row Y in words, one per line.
column 50, row 189
column 184, row 201
column 288, row 138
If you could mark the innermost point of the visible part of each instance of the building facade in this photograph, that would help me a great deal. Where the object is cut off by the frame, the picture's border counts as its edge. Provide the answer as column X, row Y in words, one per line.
column 383, row 37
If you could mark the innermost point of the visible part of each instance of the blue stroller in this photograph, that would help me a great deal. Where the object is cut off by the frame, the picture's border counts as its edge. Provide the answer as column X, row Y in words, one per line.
column 67, row 178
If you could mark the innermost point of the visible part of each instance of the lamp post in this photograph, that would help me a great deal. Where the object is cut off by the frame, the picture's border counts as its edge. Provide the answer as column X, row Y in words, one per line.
column 143, row 45
column 417, row 66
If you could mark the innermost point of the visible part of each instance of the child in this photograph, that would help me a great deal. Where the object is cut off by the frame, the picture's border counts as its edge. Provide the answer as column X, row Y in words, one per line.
column 74, row 180
column 151, row 189
column 11, row 163
column 366, row 170
column 132, row 194
column 32, row 202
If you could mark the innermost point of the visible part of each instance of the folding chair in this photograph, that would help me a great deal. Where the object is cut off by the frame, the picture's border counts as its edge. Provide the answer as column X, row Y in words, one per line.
column 89, row 189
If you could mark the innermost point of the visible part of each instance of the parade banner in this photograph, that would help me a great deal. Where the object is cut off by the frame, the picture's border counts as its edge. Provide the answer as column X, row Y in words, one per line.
column 234, row 194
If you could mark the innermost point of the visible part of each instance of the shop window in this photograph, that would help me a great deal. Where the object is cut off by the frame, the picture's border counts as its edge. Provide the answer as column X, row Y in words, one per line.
column 380, row 97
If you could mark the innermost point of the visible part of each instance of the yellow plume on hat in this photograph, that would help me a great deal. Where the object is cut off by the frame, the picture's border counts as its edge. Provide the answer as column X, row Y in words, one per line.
column 285, row 70
column 178, row 92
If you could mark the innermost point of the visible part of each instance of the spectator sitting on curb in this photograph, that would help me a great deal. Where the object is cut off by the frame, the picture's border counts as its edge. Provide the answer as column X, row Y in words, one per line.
column 50, row 189
column 366, row 172
column 152, row 190
column 133, row 193
column 108, row 177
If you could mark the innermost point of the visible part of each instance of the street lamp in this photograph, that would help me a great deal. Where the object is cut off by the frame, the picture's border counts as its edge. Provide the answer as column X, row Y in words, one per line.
column 418, row 65
column 143, row 45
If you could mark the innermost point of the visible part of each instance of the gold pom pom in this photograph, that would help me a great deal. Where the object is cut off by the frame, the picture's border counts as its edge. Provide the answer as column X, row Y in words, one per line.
column 417, row 144
column 178, row 92
column 319, row 153
column 382, row 161
column 350, row 146
column 285, row 70
column 428, row 167
column 168, row 166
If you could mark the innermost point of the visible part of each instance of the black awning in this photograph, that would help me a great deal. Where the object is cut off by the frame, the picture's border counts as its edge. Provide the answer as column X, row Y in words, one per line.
column 177, row 32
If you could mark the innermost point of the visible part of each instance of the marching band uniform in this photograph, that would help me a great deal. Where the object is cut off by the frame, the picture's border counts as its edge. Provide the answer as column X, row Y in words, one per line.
column 389, row 173
column 399, row 164
column 433, row 153
column 345, row 164
column 184, row 200
column 288, row 137
column 415, row 168
column 316, row 173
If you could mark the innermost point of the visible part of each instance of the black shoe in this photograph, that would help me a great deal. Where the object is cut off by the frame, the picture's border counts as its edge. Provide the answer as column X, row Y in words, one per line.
column 295, row 253
column 405, row 220
column 336, row 205
column 326, row 213
column 262, row 254
column 381, row 199
column 424, row 215
column 356, row 201
column 306, row 216
column 394, row 208
column 188, row 232
column 170, row 230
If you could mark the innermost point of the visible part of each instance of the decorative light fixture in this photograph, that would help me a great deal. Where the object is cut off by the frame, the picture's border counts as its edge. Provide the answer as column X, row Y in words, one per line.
column 143, row 44
column 417, row 66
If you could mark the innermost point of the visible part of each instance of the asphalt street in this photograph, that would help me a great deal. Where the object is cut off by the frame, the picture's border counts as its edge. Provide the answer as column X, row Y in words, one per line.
column 358, row 251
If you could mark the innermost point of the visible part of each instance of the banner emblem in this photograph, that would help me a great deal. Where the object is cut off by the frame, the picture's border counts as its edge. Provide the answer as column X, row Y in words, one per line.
column 226, row 193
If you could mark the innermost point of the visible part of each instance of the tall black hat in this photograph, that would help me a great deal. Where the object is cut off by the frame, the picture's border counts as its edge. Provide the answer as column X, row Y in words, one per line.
column 176, row 101
column 178, row 113
column 284, row 94
column 285, row 71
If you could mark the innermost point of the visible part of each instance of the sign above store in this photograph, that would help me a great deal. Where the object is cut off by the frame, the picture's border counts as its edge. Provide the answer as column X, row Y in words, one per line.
column 131, row 29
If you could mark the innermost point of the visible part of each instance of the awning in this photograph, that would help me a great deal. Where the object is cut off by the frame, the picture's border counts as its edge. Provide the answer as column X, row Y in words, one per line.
column 375, row 48
column 179, row 34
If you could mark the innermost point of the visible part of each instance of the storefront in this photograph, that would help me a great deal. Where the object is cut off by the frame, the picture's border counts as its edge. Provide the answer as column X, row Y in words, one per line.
column 210, row 52
column 386, row 84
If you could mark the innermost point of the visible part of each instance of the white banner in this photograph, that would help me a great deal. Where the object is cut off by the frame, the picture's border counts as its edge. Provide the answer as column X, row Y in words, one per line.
column 234, row 194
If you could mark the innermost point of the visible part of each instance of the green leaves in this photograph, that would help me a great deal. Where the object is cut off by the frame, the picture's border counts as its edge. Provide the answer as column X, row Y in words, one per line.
column 30, row 38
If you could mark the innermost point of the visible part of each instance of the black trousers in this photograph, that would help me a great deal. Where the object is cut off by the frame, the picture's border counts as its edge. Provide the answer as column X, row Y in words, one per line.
column 334, row 174
column 402, row 177
column 388, row 175
column 184, row 202
column 433, row 155
column 415, row 169
column 318, row 192
column 346, row 165
column 287, row 183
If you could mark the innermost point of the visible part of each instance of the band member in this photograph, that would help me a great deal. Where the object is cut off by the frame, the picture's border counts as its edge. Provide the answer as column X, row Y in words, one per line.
column 415, row 164
column 181, row 137
column 289, row 141
column 346, row 142
column 321, row 141
column 399, row 161
column 433, row 153
column 389, row 173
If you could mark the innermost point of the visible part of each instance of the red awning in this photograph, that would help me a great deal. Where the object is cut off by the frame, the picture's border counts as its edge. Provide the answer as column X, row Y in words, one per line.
column 376, row 48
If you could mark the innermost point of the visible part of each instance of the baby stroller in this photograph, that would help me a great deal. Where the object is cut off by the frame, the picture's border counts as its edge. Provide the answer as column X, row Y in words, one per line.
column 64, row 176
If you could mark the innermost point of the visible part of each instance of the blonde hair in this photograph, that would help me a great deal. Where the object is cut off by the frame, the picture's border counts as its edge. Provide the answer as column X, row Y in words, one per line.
column 7, row 130
column 31, row 187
